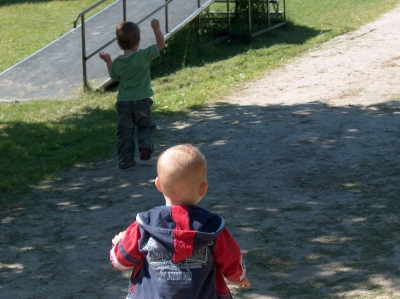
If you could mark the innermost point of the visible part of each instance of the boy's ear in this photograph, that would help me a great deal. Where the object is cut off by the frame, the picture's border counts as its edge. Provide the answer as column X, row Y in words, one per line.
column 158, row 185
column 203, row 188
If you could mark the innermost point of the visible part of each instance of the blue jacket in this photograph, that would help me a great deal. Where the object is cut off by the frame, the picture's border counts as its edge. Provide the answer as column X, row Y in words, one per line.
column 179, row 252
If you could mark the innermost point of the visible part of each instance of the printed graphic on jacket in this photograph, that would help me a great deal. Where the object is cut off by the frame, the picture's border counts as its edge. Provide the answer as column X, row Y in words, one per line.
column 166, row 269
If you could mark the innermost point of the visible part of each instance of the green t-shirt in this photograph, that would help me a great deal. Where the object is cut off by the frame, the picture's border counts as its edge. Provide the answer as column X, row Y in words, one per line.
column 133, row 74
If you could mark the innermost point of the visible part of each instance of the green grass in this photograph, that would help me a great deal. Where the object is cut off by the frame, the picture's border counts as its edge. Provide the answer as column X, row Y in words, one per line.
column 39, row 138
column 27, row 26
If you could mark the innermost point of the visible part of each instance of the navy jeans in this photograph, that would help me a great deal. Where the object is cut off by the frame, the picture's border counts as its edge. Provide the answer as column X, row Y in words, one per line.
column 133, row 115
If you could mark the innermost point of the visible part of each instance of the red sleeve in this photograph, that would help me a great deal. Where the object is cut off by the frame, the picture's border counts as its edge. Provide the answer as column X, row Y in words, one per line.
column 228, row 257
column 125, row 255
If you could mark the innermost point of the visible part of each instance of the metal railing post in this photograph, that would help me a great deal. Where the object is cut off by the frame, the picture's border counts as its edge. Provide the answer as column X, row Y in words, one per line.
column 84, row 69
column 166, row 18
column 250, row 17
column 284, row 10
column 229, row 15
column 198, row 22
column 124, row 10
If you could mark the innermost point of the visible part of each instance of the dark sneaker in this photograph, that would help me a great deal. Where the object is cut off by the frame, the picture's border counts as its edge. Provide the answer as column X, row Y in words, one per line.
column 126, row 166
column 145, row 153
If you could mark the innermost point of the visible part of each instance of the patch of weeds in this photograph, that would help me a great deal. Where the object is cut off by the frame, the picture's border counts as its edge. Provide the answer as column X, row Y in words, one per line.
column 351, row 93
column 285, row 160
column 297, row 208
column 332, row 239
column 238, row 292
column 305, row 141
column 52, row 207
column 357, row 287
column 244, row 224
column 271, row 108
column 267, row 235
column 13, row 238
column 309, row 232
column 315, row 259
column 293, row 290
column 328, row 251
column 59, row 237
column 305, row 122
column 47, row 251
column 265, row 260
column 386, row 107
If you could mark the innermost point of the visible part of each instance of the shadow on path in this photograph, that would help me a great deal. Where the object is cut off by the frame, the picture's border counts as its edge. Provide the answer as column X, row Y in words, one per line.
column 309, row 191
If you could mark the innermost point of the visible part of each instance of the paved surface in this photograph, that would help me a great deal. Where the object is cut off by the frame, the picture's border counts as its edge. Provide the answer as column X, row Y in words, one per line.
column 56, row 70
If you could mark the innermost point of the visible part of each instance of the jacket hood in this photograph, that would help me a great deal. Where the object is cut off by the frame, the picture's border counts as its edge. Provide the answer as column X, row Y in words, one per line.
column 179, row 231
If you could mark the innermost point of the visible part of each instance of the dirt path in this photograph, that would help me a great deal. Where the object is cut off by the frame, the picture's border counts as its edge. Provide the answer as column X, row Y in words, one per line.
column 304, row 165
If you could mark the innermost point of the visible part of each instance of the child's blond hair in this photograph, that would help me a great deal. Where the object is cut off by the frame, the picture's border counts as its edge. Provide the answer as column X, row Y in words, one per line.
column 181, row 170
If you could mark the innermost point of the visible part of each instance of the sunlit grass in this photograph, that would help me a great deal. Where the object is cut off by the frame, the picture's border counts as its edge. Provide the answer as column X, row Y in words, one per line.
column 29, row 26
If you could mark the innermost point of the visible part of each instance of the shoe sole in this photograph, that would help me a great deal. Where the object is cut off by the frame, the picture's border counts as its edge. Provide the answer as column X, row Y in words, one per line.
column 145, row 154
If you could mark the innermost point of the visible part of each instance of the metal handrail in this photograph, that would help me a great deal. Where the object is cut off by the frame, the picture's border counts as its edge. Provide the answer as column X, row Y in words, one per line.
column 189, row 18
column 156, row 11
column 139, row 22
column 83, row 37
column 88, row 10
column 81, row 16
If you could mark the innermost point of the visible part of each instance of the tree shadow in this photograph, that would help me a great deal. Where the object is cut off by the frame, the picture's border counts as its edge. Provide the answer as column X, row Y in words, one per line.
column 184, row 50
column 73, row 139
column 190, row 53
column 309, row 191
column 164, row 66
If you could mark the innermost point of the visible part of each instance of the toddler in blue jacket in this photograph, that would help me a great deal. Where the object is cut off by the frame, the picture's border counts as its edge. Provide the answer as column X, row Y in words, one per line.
column 179, row 250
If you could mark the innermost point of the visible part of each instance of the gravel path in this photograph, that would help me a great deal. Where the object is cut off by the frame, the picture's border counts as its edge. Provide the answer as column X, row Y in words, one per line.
column 303, row 165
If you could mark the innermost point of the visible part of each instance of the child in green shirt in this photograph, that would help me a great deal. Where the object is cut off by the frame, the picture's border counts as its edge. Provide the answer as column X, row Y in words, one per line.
column 132, row 70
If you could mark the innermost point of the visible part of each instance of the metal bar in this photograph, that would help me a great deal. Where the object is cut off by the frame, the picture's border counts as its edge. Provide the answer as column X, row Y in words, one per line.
column 154, row 12
column 228, row 7
column 284, row 10
column 189, row 19
column 84, row 71
column 268, row 29
column 250, row 24
column 237, row 9
column 101, row 48
column 166, row 18
column 124, row 10
column 198, row 22
column 87, row 10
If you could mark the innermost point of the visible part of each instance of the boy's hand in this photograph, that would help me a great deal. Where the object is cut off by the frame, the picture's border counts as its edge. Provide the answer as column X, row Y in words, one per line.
column 244, row 283
column 118, row 238
column 105, row 56
column 155, row 24
column 160, row 42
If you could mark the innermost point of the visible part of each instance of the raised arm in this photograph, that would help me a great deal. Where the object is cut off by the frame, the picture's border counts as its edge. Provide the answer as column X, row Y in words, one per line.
column 160, row 42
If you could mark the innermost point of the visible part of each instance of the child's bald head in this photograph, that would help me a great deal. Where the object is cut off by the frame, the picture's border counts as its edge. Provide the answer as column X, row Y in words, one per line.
column 181, row 171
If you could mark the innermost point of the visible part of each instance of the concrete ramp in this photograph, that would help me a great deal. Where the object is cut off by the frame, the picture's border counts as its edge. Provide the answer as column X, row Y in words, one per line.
column 55, row 72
